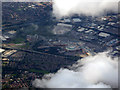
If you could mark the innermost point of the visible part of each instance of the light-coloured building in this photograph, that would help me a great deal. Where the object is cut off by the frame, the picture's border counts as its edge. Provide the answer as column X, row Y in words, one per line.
column 111, row 23
column 76, row 20
column 8, row 53
column 12, row 32
column 89, row 31
column 118, row 47
column 81, row 29
column 5, row 59
column 1, row 50
column 67, row 20
column 3, row 38
column 72, row 47
column 62, row 28
column 6, row 37
column 104, row 34
column 103, row 18
column 64, row 25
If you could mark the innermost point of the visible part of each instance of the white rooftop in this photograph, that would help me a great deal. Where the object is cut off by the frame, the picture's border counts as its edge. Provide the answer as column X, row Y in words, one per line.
column 118, row 47
column 67, row 20
column 76, row 20
column 81, row 29
column 89, row 31
column 3, row 38
column 12, row 32
column 1, row 50
column 104, row 34
column 62, row 24
column 111, row 23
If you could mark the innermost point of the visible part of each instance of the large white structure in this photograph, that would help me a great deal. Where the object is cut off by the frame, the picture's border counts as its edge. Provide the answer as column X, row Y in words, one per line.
column 81, row 29
column 104, row 34
column 67, row 20
column 64, row 25
column 62, row 28
column 1, row 50
column 76, row 20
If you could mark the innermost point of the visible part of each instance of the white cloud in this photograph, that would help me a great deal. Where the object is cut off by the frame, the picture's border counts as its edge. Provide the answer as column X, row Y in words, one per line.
column 99, row 71
column 87, row 7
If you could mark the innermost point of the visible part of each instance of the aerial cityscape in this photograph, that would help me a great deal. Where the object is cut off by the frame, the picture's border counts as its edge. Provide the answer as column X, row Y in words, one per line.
column 35, row 42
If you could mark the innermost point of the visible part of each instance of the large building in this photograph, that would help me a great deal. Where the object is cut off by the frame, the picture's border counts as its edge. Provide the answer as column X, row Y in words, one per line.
column 104, row 34
column 76, row 20
column 62, row 28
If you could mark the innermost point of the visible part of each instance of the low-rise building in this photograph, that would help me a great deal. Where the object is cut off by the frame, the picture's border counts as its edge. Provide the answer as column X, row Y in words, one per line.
column 62, row 28
column 111, row 23
column 88, row 31
column 3, row 38
column 81, row 29
column 67, row 20
column 76, row 20
column 8, row 53
column 2, row 50
column 12, row 32
column 118, row 47
column 104, row 34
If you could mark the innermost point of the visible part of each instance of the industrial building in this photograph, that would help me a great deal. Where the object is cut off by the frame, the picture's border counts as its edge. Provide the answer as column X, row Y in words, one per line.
column 104, row 34
column 76, row 20
column 81, row 29
column 62, row 28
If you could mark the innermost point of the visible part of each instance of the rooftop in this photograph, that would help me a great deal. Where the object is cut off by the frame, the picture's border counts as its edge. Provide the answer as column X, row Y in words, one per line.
column 104, row 34
column 76, row 20
column 81, row 29
column 62, row 24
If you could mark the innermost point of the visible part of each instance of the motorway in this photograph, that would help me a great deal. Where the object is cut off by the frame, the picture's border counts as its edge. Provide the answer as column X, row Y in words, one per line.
column 32, row 51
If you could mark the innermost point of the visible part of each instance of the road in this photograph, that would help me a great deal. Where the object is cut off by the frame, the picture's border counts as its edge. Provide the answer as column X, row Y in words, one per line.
column 31, row 51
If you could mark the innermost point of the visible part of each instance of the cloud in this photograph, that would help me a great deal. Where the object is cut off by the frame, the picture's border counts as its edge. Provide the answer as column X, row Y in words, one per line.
column 99, row 71
column 26, row 0
column 87, row 7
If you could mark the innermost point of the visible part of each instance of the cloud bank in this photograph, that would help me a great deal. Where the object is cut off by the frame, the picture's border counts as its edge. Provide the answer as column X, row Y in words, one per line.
column 87, row 7
column 99, row 71
column 26, row 0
